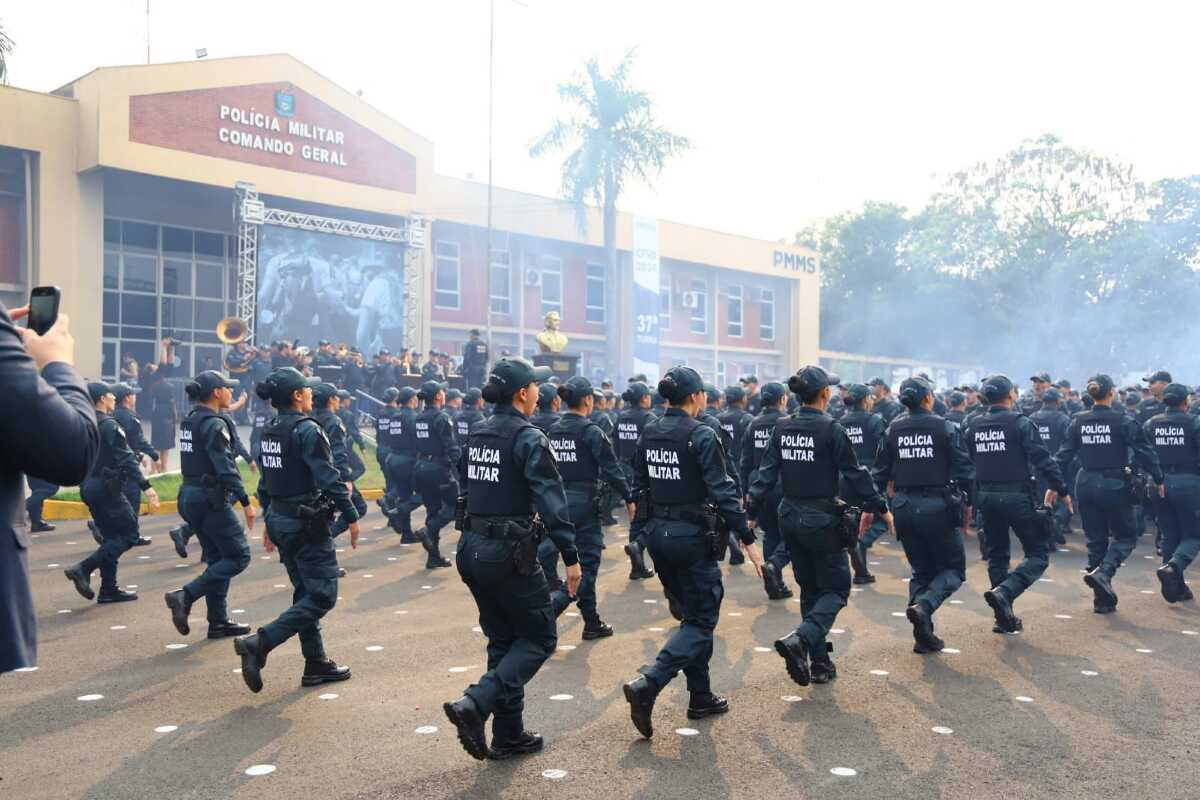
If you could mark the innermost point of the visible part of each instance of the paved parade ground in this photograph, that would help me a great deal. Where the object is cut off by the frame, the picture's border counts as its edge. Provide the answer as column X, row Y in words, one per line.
column 1078, row 705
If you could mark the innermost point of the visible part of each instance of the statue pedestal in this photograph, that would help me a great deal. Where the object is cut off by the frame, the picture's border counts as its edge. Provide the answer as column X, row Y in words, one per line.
column 564, row 365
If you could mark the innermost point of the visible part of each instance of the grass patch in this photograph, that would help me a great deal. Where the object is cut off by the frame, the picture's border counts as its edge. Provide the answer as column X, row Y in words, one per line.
column 167, row 486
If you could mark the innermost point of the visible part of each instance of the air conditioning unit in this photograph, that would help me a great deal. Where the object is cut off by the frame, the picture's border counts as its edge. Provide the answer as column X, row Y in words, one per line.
column 689, row 300
column 533, row 278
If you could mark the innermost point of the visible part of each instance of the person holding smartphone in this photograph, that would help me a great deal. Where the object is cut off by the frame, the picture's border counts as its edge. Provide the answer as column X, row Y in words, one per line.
column 48, row 431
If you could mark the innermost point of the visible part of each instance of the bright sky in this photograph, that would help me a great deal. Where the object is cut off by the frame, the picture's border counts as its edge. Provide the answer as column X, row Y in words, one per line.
column 797, row 110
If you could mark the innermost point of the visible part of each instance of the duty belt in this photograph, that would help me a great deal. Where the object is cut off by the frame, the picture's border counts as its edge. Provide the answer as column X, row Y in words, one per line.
column 434, row 459
column 291, row 509
column 497, row 529
column 684, row 513
column 1114, row 472
column 1004, row 486
column 193, row 481
column 817, row 503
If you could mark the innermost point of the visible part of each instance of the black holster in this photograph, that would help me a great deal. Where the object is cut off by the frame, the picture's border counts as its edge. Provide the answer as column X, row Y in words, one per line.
column 956, row 506
column 642, row 511
column 716, row 530
column 525, row 547
column 317, row 519
column 114, row 480
column 846, row 529
column 215, row 492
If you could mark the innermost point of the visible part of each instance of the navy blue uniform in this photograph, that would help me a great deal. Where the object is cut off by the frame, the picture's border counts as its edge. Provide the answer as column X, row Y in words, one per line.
column 437, row 451
column 136, row 439
column 754, row 447
column 48, row 431
column 1107, row 443
column 354, row 437
column 1175, row 436
column 1052, row 424
column 210, row 479
column 679, row 466
column 299, row 454
column 103, row 491
column 508, row 473
column 339, row 451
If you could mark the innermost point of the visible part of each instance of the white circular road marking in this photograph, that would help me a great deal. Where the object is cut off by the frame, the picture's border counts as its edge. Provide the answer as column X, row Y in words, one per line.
column 844, row 772
column 687, row 731
column 459, row 669
column 650, row 601
column 791, row 698
column 1190, row 633
column 25, row 669
column 52, row 566
column 426, row 729
column 656, row 629
column 952, row 651
column 260, row 769
column 566, row 647
column 176, row 646
column 1091, row 673
column 166, row 729
column 1023, row 699
column 562, row 697
column 1144, row 650
column 116, row 627
column 898, row 614
column 957, row 602
column 762, row 649
column 1062, row 616
column 89, row 698
column 942, row 730
column 64, row 611
column 554, row 774
column 879, row 672
column 327, row 696
column 374, row 648
column 837, row 630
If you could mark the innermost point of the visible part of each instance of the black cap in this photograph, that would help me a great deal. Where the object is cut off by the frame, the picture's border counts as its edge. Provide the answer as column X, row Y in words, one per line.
column 772, row 392
column 344, row 395
column 286, row 380
column 472, row 396
column 405, row 393
column 429, row 390
column 453, row 394
column 712, row 392
column 635, row 392
column 913, row 391
column 546, row 393
column 323, row 393
column 855, row 392
column 878, row 382
column 1161, row 375
column 811, row 379
column 1103, row 381
column 748, row 379
column 576, row 389
column 323, row 342
column 97, row 389
column 391, row 393
column 734, row 394
column 957, row 398
column 473, row 332
column 123, row 390
column 1041, row 377
column 514, row 373
column 210, row 380
column 681, row 382
column 1175, row 393
column 1063, row 384
column 1051, row 395
column 996, row 387
column 1133, row 398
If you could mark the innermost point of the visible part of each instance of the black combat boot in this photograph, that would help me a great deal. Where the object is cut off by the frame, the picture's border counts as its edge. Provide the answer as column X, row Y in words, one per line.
column 253, row 650
column 858, row 560
column 465, row 716
column 323, row 670
column 142, row 541
column 795, row 655
column 41, row 526
column 115, row 595
column 823, row 669
column 527, row 742
column 773, row 583
column 921, row 617
column 1006, row 620
column 1171, row 582
column 180, row 604
column 637, row 562
column 82, row 582
column 597, row 630
column 226, row 628
column 706, row 704
column 179, row 538
column 1101, row 585
column 640, row 694
column 736, row 557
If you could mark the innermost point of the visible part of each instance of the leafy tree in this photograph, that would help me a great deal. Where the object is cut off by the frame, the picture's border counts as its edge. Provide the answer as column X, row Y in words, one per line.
column 6, row 47
column 614, row 137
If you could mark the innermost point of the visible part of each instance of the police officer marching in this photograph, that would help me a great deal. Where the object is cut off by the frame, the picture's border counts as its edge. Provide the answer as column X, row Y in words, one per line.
column 754, row 447
column 349, row 418
column 401, row 467
column 508, row 473
column 383, row 449
column 123, row 413
column 1007, row 449
column 547, row 407
column 437, row 451
column 299, row 490
column 472, row 412
column 104, row 493
column 585, row 456
column 806, row 455
column 1175, row 435
column 1103, row 439
column 922, row 462
column 325, row 412
column 866, row 431
column 708, row 416
column 630, row 424
column 210, row 478
column 1052, row 423
column 679, row 475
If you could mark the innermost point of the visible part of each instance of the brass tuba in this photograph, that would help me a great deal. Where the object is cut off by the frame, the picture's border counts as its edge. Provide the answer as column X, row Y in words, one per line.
column 232, row 330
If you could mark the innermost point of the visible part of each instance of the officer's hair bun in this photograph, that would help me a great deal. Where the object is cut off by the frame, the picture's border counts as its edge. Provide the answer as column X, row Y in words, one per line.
column 911, row 397
column 493, row 391
column 794, row 384
column 669, row 389
column 627, row 395
column 1093, row 388
column 192, row 390
column 264, row 390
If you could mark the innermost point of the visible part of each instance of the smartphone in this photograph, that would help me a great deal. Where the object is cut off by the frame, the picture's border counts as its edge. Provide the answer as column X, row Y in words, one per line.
column 43, row 308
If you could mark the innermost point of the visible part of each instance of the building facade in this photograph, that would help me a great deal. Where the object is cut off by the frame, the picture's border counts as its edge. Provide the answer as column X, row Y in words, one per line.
column 119, row 188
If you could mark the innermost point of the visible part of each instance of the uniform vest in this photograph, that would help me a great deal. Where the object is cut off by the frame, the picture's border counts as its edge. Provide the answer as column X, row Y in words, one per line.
column 922, row 451
column 193, row 455
column 543, row 420
column 572, row 453
column 630, row 424
column 106, row 458
column 1052, row 426
column 464, row 422
column 282, row 463
column 996, row 448
column 495, row 485
column 675, row 475
column 428, row 443
column 383, row 427
column 260, row 421
column 1102, row 443
column 758, row 436
column 1174, row 438
column 404, row 432
column 807, row 468
column 863, row 435
column 731, row 423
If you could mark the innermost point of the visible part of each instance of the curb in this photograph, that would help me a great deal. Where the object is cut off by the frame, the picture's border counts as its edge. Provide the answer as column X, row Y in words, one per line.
column 70, row 509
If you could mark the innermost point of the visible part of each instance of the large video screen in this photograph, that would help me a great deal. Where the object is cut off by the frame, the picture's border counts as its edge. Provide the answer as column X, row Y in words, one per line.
column 314, row 286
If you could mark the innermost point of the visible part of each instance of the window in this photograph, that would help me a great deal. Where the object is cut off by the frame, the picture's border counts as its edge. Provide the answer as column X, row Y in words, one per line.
column 766, row 316
column 734, row 311
column 664, row 304
column 595, row 293
column 698, row 323
column 501, row 268
column 551, row 267
column 446, row 274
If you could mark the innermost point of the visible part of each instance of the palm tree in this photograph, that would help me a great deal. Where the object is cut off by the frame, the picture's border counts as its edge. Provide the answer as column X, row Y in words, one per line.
column 6, row 46
column 615, row 138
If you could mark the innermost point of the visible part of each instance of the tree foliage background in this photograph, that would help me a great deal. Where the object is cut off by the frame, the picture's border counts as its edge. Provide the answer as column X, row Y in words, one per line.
column 1049, row 258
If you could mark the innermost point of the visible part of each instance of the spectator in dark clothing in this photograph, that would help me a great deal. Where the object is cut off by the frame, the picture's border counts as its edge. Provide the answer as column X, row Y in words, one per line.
column 164, row 411
column 47, row 430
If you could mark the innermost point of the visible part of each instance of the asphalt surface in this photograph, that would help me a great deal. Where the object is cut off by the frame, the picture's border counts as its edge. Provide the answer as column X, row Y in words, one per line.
column 1078, row 705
